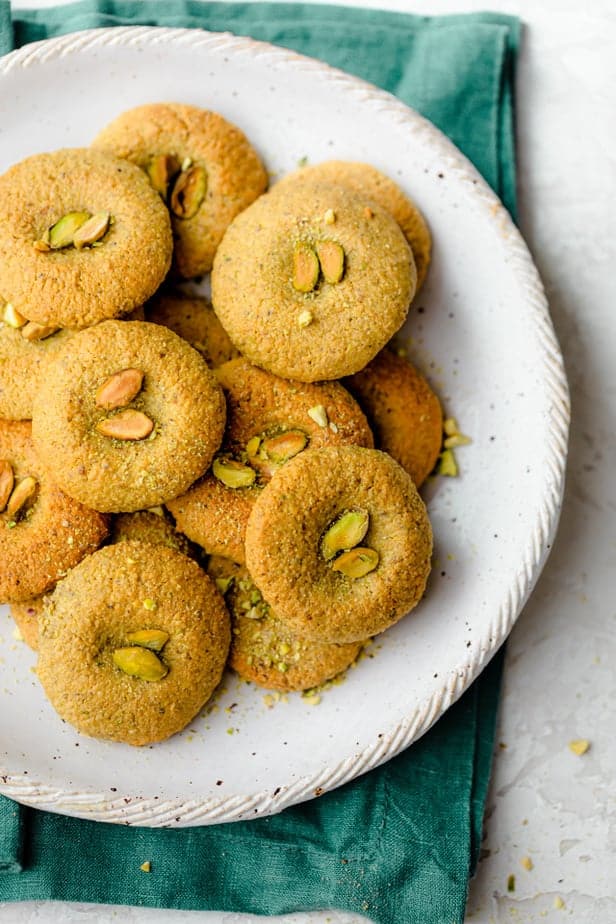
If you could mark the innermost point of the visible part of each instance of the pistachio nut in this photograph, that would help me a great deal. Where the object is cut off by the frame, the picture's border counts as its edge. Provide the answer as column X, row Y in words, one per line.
column 345, row 533
column 21, row 494
column 119, row 389
column 33, row 331
column 331, row 258
column 62, row 233
column 283, row 447
column 92, row 230
column 356, row 563
column 233, row 474
column 305, row 268
column 318, row 413
column 139, row 662
column 188, row 192
column 154, row 639
column 127, row 425
column 252, row 446
column 7, row 481
column 161, row 169
column 13, row 317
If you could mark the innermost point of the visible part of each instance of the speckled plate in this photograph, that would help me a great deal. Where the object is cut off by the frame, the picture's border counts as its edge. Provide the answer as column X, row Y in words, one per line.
column 480, row 330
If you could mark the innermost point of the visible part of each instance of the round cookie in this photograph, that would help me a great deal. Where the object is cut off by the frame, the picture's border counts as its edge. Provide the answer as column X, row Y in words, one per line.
column 263, row 649
column 149, row 527
column 203, row 167
column 26, row 616
column 404, row 413
column 367, row 180
column 46, row 535
column 314, row 510
column 96, row 611
column 192, row 318
column 311, row 284
column 178, row 433
column 76, row 286
column 260, row 408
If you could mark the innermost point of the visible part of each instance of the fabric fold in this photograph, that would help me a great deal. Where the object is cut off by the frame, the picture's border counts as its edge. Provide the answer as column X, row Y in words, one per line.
column 400, row 842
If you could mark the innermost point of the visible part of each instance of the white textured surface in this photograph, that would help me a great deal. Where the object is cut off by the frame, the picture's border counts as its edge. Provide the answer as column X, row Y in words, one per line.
column 559, row 676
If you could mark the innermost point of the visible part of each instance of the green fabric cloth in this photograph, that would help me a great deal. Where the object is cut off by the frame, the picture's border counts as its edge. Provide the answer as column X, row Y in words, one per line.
column 399, row 843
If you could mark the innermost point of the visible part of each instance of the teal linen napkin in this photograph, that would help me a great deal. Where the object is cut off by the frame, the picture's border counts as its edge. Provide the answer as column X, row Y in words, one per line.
column 399, row 843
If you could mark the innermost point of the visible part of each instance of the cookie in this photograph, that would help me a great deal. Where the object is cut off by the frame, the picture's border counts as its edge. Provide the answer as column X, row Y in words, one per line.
column 83, row 238
column 43, row 532
column 311, row 284
column 119, row 422
column 404, row 413
column 26, row 616
column 192, row 318
column 263, row 649
column 269, row 420
column 132, row 643
column 339, row 543
column 149, row 527
column 368, row 181
column 202, row 166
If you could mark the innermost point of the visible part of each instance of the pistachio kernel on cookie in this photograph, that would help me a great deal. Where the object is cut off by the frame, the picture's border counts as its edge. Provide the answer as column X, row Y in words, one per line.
column 119, row 389
column 7, row 480
column 12, row 317
column 161, row 169
column 154, row 639
column 331, row 260
column 356, row 563
column 188, row 192
column 33, row 331
column 61, row 234
column 23, row 492
column 345, row 533
column 92, row 231
column 305, row 268
column 233, row 474
column 140, row 663
column 128, row 425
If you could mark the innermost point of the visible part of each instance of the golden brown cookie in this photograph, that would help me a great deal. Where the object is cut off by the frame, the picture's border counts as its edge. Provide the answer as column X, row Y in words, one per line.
column 404, row 413
column 83, row 237
column 263, row 649
column 311, row 284
column 119, row 422
column 204, row 168
column 26, row 616
column 132, row 643
column 43, row 532
column 149, row 527
column 193, row 318
column 370, row 182
column 339, row 543
column 269, row 420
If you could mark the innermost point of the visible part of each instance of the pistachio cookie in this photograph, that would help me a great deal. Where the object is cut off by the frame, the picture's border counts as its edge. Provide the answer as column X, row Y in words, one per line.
column 269, row 420
column 130, row 416
column 368, row 181
column 339, row 543
column 202, row 166
column 192, row 318
column 263, row 649
column 43, row 532
column 132, row 643
column 83, row 238
column 311, row 284
column 404, row 413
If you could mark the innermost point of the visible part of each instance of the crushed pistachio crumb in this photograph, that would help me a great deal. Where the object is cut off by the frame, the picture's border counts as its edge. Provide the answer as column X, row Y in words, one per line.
column 559, row 903
column 146, row 867
column 450, row 426
column 305, row 318
column 458, row 439
column 579, row 746
column 319, row 415
column 224, row 584
column 230, row 731
column 302, row 161
column 186, row 163
column 11, row 524
column 447, row 464
column 511, row 883
column 526, row 863
column 333, row 426
column 149, row 604
column 17, row 634
column 330, row 217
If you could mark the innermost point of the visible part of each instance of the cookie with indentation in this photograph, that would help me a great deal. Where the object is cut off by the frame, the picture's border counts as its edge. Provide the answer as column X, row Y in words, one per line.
column 132, row 643
column 263, row 649
column 43, row 532
column 269, row 421
column 370, row 182
column 404, row 413
column 339, row 543
column 193, row 318
column 130, row 416
column 201, row 165
column 312, row 284
column 83, row 238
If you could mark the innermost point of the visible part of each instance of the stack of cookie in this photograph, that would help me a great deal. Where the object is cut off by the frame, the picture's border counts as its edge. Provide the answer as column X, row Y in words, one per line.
column 292, row 540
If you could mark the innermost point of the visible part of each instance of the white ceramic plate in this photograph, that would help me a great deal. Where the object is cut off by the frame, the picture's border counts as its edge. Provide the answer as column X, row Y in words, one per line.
column 480, row 330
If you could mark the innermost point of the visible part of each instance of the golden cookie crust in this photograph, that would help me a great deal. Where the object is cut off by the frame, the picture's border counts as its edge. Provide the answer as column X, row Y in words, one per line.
column 26, row 616
column 289, row 519
column 192, row 318
column 214, row 515
column 89, row 616
column 70, row 287
column 404, row 413
column 350, row 321
column 367, row 180
column 50, row 535
column 263, row 649
column 120, row 475
column 235, row 174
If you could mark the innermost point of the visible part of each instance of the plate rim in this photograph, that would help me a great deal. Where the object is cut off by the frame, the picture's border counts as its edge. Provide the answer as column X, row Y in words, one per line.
column 127, row 809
